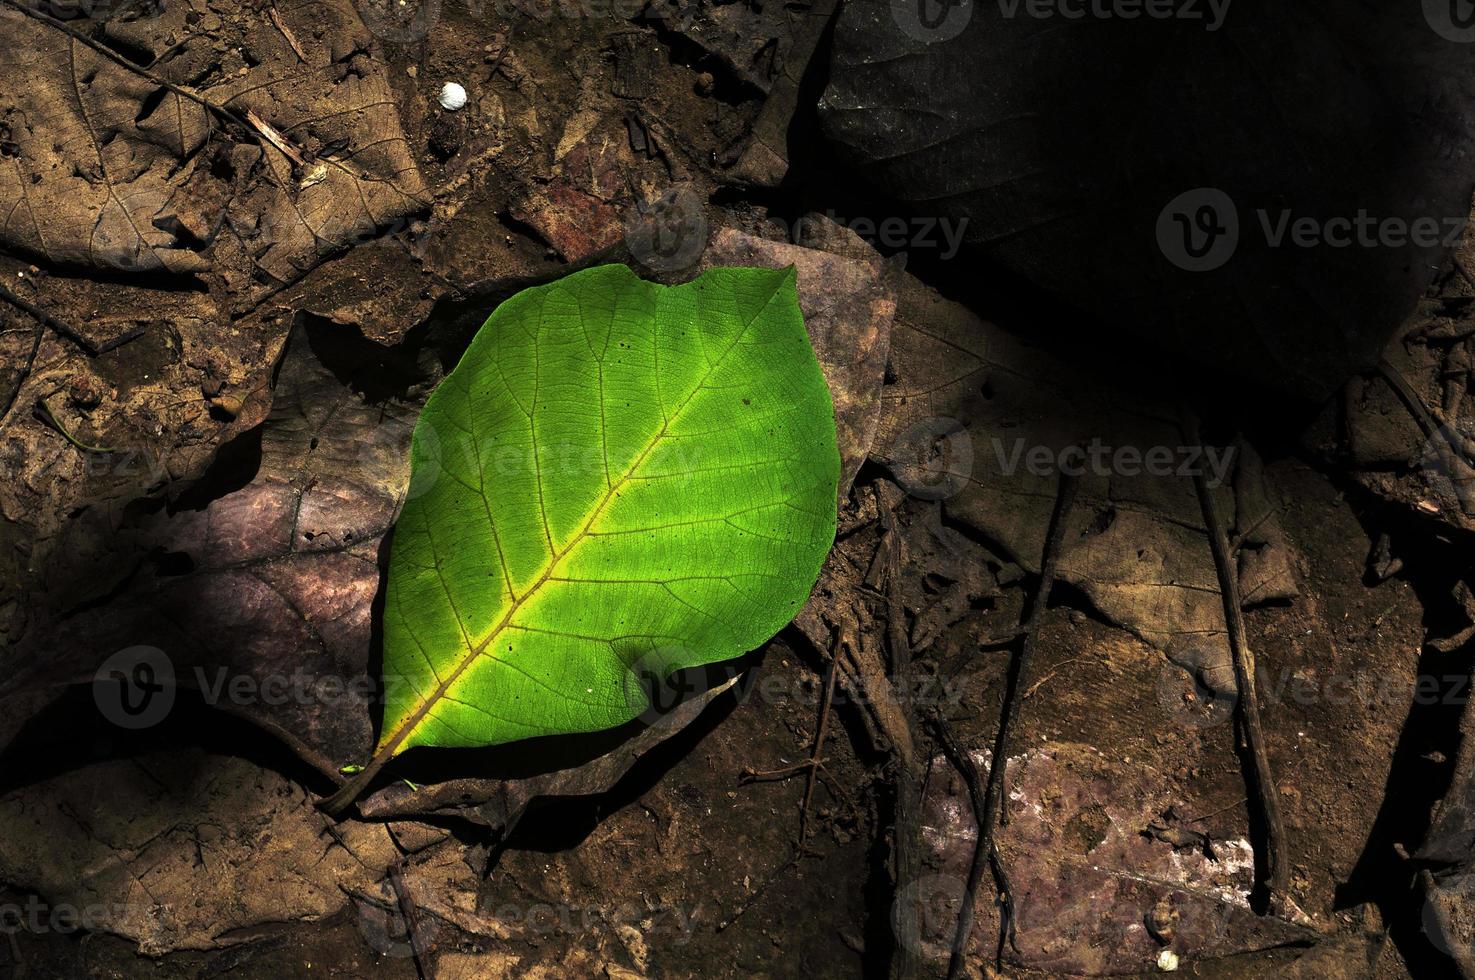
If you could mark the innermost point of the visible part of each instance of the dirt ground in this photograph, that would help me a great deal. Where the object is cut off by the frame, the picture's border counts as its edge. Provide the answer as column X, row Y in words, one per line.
column 205, row 424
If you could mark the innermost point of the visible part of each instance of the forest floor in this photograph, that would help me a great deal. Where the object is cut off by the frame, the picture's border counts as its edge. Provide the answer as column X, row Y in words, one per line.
column 204, row 443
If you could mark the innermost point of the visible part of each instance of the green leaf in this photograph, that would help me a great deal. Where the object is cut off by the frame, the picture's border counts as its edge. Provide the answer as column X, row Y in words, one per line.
column 618, row 478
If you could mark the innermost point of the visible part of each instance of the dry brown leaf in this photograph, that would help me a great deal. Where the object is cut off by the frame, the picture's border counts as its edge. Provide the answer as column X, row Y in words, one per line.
column 106, row 168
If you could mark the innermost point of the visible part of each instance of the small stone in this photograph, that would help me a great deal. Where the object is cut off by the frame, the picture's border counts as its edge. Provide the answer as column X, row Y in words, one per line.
column 452, row 96
column 1167, row 961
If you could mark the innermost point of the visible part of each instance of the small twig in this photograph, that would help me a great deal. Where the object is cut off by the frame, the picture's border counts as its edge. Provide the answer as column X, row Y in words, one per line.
column 992, row 808
column 749, row 775
column 983, row 851
column 25, row 371
column 1238, row 544
column 45, row 414
column 61, row 326
column 752, row 897
column 281, row 25
column 1002, row 639
column 275, row 138
column 1053, row 671
column 1244, row 672
column 819, row 741
column 1222, row 809
column 909, row 775
column 419, row 943
column 219, row 108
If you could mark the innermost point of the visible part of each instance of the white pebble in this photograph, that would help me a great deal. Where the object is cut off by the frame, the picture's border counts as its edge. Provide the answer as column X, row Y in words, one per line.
column 452, row 96
column 1167, row 961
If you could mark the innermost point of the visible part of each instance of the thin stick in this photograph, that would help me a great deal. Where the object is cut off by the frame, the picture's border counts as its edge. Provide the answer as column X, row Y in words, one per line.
column 281, row 25
column 1244, row 675
column 117, row 58
column 25, row 371
column 258, row 130
column 419, row 944
column 44, row 320
column 819, row 742
column 909, row 776
column 982, row 853
column 993, row 797
column 61, row 326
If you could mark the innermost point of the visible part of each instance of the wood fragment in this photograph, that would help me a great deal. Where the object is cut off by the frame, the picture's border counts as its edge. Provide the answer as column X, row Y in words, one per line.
column 1266, row 794
column 990, row 810
column 419, row 942
column 819, row 742
column 276, row 19
column 909, row 774
column 276, row 139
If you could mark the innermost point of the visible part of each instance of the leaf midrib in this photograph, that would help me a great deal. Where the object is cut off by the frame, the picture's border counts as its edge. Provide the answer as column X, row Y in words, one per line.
column 389, row 745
